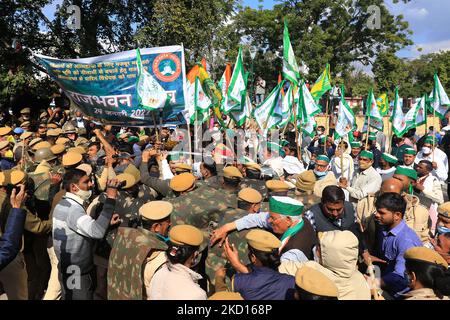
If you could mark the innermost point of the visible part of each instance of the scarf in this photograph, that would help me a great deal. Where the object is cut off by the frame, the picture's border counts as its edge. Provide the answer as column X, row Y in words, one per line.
column 289, row 233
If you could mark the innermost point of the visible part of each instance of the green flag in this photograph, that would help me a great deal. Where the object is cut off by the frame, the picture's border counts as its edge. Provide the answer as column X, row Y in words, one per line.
column 290, row 67
column 398, row 118
column 440, row 102
column 237, row 88
column 239, row 117
column 417, row 114
column 263, row 113
column 322, row 85
column 151, row 95
column 376, row 120
column 346, row 119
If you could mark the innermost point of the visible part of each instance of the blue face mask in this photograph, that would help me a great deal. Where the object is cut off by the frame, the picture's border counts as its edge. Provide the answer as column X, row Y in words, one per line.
column 442, row 229
column 320, row 174
column 161, row 237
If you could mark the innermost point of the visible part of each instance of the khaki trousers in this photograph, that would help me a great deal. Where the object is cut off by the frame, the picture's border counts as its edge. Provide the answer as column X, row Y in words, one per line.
column 14, row 279
column 54, row 287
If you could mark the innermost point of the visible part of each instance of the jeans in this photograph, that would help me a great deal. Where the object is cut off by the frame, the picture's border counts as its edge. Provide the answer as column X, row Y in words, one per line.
column 259, row 98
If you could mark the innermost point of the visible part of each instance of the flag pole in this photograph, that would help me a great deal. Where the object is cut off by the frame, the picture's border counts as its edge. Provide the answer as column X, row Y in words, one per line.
column 326, row 125
column 294, row 107
column 390, row 135
column 434, row 136
column 155, row 126
column 342, row 157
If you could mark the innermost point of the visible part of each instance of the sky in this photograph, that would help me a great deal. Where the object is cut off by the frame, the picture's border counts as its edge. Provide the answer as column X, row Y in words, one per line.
column 428, row 19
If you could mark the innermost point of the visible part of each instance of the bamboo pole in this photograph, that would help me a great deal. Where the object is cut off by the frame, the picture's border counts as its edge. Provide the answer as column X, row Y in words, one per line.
column 342, row 157
column 155, row 126
column 390, row 135
column 294, row 107
column 434, row 136
column 367, row 133
column 327, row 126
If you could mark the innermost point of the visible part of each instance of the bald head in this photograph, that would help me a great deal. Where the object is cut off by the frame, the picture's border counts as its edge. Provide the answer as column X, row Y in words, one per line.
column 392, row 185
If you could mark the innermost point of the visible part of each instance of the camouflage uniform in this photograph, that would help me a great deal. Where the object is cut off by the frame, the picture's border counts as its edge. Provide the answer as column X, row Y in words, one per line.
column 127, row 261
column 204, row 208
column 258, row 185
column 127, row 207
column 216, row 255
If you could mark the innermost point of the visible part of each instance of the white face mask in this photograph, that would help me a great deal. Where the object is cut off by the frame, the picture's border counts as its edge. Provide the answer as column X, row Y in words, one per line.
column 426, row 150
column 83, row 194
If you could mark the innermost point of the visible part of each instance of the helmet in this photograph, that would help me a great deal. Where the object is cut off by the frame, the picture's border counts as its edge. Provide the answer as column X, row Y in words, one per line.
column 69, row 128
column 44, row 154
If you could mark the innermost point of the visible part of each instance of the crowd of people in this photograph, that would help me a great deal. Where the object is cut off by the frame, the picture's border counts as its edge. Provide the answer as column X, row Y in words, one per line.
column 92, row 211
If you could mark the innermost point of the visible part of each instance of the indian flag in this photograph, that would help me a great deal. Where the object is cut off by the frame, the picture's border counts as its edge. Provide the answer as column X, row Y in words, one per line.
column 322, row 85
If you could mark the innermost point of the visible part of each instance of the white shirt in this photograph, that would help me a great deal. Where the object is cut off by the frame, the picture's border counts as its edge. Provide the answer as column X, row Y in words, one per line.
column 386, row 174
column 292, row 165
column 365, row 182
column 432, row 189
column 276, row 164
column 176, row 282
column 441, row 171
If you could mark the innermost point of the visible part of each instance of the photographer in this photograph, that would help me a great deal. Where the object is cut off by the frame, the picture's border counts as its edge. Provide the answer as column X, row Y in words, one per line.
column 260, row 90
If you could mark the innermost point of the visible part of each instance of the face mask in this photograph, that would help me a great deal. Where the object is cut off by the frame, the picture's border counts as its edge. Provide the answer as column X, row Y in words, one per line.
column 9, row 154
column 120, row 168
column 426, row 150
column 79, row 118
column 162, row 238
column 83, row 194
column 320, row 174
column 442, row 229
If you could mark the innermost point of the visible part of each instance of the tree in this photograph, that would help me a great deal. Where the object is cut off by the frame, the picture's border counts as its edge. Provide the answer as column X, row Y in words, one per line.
column 390, row 71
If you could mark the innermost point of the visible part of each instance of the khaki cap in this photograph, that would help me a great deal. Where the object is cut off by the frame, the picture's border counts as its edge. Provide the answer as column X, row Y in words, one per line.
column 25, row 111
column 426, row 255
column 17, row 177
column 183, row 167
column 262, row 240
column 306, row 181
column 250, row 195
column 86, row 168
column 25, row 135
column 4, row 131
column 71, row 158
column 43, row 167
column 131, row 169
column 52, row 133
column 42, row 145
column 4, row 178
column 156, row 210
column 4, row 144
column 128, row 178
column 444, row 210
column 226, row 295
column 184, row 234
column 62, row 140
column 315, row 282
column 253, row 166
column 43, row 115
column 277, row 185
column 34, row 141
column 78, row 149
column 232, row 172
column 182, row 182
column 25, row 124
column 58, row 149
column 52, row 126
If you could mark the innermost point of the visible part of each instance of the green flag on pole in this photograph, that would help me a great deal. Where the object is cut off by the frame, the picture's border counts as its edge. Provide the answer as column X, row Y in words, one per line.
column 376, row 120
column 398, row 119
column 346, row 119
column 322, row 85
column 151, row 95
column 290, row 67
column 439, row 102
column 237, row 87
